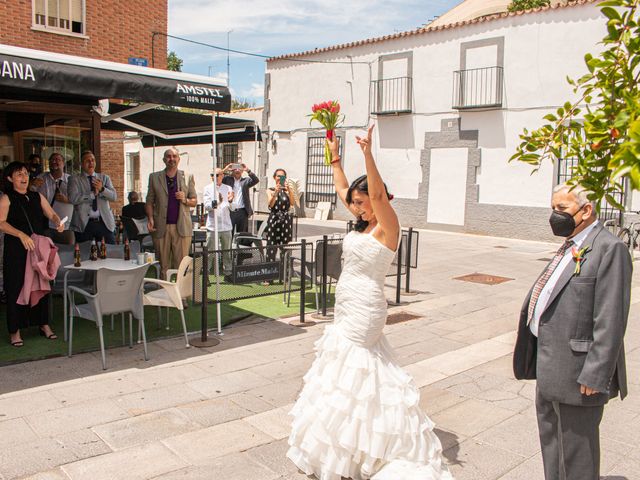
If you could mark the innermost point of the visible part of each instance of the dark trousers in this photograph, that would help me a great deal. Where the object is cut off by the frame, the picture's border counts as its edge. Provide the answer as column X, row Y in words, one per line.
column 96, row 230
column 570, row 440
column 240, row 220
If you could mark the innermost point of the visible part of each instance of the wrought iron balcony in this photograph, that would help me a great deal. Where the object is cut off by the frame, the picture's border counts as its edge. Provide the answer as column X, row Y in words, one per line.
column 391, row 96
column 477, row 88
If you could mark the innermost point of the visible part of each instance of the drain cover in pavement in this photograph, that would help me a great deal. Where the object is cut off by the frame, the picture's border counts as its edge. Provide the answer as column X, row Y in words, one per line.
column 401, row 317
column 483, row 278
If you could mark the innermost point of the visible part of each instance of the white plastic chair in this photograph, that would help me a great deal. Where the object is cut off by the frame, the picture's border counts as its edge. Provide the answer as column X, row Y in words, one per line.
column 171, row 294
column 117, row 291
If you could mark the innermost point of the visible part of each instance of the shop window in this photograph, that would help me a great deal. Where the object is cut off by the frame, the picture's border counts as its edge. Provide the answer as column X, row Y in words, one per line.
column 46, row 134
column 66, row 16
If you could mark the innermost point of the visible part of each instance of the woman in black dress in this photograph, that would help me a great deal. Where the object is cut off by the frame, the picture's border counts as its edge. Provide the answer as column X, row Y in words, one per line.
column 280, row 223
column 22, row 213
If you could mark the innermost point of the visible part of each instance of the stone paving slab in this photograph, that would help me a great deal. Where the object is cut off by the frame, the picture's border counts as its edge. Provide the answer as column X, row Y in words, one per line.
column 145, row 428
column 76, row 417
column 136, row 463
column 202, row 447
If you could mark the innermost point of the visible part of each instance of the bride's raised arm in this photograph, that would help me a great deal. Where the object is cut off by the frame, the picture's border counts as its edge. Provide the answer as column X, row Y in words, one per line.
column 382, row 209
column 339, row 178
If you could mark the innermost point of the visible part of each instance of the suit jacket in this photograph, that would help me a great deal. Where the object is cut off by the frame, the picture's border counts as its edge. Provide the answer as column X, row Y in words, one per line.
column 581, row 331
column 247, row 183
column 158, row 198
column 80, row 195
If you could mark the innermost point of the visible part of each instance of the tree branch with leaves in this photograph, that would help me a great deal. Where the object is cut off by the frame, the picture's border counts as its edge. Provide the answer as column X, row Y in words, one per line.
column 600, row 130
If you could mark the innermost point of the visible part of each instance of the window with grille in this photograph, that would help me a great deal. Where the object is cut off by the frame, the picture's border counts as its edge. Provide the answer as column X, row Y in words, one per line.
column 228, row 153
column 132, row 172
column 60, row 15
column 607, row 211
column 319, row 185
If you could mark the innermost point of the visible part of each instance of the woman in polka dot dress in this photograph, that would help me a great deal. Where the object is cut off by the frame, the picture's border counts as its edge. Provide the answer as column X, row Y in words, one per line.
column 280, row 223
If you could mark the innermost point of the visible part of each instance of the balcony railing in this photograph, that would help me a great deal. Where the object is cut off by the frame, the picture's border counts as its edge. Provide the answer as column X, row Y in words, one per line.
column 477, row 88
column 391, row 96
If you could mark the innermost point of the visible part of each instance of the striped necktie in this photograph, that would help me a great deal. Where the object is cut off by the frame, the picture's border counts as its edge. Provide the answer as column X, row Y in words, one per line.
column 544, row 278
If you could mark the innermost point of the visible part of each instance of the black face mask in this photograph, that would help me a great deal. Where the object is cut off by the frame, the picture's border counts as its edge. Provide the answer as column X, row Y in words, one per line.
column 563, row 223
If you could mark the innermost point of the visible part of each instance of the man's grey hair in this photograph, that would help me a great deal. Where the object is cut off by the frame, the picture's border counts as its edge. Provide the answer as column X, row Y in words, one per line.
column 579, row 192
column 170, row 149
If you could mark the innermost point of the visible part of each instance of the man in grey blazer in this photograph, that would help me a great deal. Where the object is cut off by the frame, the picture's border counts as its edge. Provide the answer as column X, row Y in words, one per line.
column 241, row 209
column 90, row 192
column 570, row 337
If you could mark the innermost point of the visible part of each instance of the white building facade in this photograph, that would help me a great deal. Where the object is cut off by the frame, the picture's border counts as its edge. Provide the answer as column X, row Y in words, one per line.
column 449, row 103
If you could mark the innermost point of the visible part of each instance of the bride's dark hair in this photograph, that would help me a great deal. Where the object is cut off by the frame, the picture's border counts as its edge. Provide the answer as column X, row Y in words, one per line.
column 361, row 185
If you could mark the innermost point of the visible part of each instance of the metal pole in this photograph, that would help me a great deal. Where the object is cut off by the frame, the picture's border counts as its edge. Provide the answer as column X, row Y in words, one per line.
column 303, row 284
column 228, row 63
column 324, row 275
column 205, row 282
column 204, row 341
column 216, row 240
column 399, row 272
column 407, row 263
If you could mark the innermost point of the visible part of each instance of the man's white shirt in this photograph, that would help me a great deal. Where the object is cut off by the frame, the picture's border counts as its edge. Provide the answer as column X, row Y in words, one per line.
column 545, row 294
column 238, row 200
column 224, row 218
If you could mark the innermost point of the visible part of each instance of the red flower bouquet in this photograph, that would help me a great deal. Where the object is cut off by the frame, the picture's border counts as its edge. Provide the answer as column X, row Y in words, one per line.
column 328, row 115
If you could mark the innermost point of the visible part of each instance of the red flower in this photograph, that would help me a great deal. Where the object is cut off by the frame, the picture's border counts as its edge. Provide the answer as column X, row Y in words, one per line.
column 330, row 134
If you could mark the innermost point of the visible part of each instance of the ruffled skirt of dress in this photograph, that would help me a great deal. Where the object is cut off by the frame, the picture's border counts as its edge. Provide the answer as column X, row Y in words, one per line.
column 358, row 417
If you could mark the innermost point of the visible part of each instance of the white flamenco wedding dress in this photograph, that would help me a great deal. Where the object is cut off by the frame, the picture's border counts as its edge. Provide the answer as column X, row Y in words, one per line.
column 357, row 415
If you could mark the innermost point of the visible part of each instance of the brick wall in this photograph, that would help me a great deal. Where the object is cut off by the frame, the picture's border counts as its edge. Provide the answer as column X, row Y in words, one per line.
column 115, row 30
column 112, row 163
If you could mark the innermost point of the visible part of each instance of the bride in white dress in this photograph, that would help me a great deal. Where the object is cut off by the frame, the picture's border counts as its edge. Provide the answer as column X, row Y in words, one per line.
column 357, row 415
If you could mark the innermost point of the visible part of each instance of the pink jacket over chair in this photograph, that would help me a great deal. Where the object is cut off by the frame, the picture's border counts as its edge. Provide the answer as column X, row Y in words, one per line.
column 42, row 264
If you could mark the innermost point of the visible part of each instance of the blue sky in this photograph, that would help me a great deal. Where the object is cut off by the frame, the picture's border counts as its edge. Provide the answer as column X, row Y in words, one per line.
column 272, row 27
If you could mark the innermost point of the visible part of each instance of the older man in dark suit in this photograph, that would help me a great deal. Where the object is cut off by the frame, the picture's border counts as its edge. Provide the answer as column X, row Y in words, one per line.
column 241, row 209
column 570, row 337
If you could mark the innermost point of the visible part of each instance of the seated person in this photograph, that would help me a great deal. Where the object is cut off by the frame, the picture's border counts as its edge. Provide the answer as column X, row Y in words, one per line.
column 135, row 209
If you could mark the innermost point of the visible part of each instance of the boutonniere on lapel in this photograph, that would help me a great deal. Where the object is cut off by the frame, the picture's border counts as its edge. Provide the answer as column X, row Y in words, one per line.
column 578, row 257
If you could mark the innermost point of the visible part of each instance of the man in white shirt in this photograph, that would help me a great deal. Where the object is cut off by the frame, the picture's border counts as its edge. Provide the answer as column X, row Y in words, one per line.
column 53, row 186
column 242, row 209
column 222, row 211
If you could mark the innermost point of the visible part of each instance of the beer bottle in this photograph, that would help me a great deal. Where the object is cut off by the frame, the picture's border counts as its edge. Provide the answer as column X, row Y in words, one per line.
column 76, row 256
column 127, row 250
column 93, row 254
column 103, row 249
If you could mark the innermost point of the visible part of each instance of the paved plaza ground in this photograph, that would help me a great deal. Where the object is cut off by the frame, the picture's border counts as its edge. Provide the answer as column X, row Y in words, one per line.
column 221, row 413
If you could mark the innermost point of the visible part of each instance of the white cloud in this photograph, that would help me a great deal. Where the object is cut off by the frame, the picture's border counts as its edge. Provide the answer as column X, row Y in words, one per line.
column 323, row 21
column 255, row 91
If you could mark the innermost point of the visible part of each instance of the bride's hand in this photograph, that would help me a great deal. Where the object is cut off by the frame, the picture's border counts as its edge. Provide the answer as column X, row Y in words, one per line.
column 365, row 143
column 334, row 147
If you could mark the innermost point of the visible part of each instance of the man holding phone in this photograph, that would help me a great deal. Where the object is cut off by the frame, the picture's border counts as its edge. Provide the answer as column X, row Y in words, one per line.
column 241, row 205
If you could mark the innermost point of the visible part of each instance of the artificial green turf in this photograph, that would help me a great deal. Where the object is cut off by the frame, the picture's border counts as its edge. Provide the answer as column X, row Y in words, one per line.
column 85, row 333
